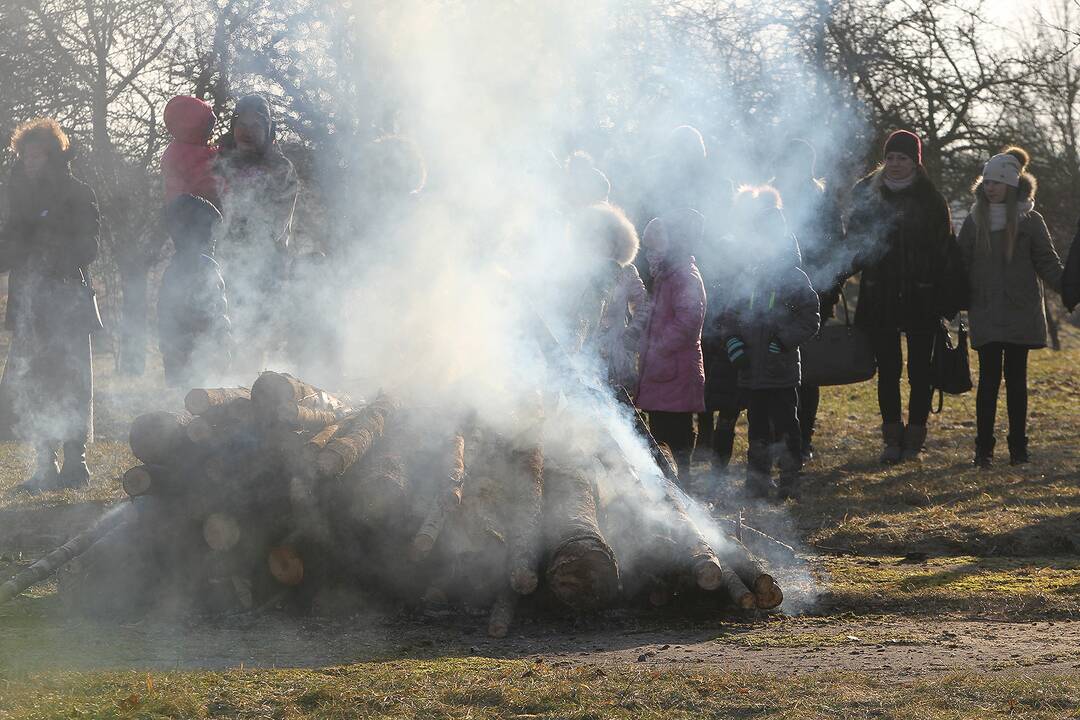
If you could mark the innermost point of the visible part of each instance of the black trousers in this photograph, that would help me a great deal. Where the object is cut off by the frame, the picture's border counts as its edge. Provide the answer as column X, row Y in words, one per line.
column 993, row 359
column 676, row 430
column 809, row 399
column 890, row 368
column 773, row 415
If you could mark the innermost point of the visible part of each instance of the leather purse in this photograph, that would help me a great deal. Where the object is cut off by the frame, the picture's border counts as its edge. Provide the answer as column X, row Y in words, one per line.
column 839, row 354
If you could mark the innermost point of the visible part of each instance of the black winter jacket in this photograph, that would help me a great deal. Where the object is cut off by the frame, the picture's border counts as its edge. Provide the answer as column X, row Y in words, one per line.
column 912, row 270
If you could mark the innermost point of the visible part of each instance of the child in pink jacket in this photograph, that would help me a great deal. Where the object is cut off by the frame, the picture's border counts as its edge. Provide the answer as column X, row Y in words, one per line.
column 188, row 162
column 671, row 388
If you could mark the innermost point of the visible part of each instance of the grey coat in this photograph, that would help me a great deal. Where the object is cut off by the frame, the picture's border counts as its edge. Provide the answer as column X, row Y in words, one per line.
column 1006, row 303
column 785, row 309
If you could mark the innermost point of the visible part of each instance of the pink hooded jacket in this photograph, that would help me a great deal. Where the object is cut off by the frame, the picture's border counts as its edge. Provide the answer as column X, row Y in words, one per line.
column 188, row 162
column 672, row 373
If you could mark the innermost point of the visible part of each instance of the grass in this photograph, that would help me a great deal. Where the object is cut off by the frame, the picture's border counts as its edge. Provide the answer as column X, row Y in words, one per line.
column 481, row 688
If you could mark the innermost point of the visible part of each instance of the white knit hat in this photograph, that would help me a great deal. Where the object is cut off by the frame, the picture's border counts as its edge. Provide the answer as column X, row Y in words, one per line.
column 1003, row 168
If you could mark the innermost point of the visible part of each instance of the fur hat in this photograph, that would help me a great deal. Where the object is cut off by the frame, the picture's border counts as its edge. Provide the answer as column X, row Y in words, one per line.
column 906, row 142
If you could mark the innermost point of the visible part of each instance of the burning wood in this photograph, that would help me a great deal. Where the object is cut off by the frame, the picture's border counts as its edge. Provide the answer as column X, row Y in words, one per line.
column 352, row 441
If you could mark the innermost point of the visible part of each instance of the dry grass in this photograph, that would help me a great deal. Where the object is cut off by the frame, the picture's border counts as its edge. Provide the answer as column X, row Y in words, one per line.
column 514, row 689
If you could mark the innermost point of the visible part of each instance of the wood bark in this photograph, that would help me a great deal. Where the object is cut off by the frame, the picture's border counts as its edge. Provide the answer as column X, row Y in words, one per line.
column 352, row 441
column 447, row 497
column 200, row 400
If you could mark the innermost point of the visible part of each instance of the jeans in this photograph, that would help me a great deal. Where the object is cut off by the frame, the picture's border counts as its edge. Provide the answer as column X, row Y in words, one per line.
column 890, row 367
column 993, row 359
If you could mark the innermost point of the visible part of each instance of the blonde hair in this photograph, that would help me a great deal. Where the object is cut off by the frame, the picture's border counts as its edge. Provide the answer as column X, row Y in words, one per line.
column 45, row 131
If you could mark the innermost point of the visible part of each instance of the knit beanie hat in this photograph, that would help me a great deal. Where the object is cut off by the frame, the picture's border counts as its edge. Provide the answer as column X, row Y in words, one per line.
column 1003, row 168
column 906, row 142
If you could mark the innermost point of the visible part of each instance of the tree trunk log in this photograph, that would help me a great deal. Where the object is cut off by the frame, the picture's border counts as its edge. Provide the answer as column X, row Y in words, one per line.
column 353, row 440
column 160, row 438
column 200, row 400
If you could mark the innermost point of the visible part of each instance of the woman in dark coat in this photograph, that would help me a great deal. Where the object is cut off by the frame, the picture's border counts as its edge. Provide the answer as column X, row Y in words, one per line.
column 46, row 394
column 259, row 191
column 911, row 278
column 1009, row 255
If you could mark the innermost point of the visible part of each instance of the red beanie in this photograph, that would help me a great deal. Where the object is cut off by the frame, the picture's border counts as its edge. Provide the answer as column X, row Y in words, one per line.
column 908, row 143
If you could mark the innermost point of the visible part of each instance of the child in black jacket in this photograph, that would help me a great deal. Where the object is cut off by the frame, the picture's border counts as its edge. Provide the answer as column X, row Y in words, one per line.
column 193, row 320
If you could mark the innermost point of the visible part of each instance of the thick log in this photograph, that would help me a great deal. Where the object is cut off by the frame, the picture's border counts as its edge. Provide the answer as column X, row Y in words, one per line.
column 64, row 554
column 300, row 417
column 352, row 441
column 502, row 613
column 153, row 480
column 737, row 559
column 379, row 486
column 221, row 531
column 160, row 438
column 700, row 558
column 582, row 571
column 773, row 599
column 447, row 497
column 740, row 595
column 201, row 400
column 524, row 536
column 286, row 565
column 273, row 390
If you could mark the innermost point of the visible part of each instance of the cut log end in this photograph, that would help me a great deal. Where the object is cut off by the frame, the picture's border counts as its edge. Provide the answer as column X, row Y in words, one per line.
column 200, row 431
column 286, row 565
column 583, row 574
column 708, row 575
column 502, row 615
column 771, row 600
column 221, row 531
column 137, row 481
column 200, row 400
column 740, row 595
column 524, row 581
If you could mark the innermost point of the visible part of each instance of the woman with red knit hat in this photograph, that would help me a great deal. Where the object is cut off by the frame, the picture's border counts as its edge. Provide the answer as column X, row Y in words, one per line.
column 911, row 277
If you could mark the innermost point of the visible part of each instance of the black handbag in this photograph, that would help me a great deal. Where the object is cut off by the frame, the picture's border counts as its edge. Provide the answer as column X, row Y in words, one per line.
column 838, row 354
column 950, row 366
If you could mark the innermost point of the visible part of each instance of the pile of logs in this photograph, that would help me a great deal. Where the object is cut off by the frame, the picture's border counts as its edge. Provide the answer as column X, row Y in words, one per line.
column 284, row 490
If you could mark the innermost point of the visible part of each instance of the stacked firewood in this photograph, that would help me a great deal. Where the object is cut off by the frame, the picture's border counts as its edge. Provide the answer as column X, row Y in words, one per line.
column 285, row 490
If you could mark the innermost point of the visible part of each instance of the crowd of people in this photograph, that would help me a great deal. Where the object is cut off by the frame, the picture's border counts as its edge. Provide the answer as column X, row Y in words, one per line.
column 704, row 323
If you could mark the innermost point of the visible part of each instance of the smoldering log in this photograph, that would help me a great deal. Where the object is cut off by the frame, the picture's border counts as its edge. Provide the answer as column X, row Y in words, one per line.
column 221, row 531
column 379, row 485
column 740, row 595
column 160, row 438
column 273, row 390
column 154, row 480
column 352, row 441
column 201, row 400
column 299, row 417
column 447, row 497
column 286, row 565
column 525, row 480
column 502, row 613
column 64, row 554
column 699, row 556
column 770, row 600
column 737, row 559
column 582, row 571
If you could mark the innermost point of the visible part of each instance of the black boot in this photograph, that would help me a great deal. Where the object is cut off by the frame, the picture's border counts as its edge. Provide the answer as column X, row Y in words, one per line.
column 75, row 473
column 1018, row 450
column 46, row 474
column 790, row 476
column 723, row 444
column 759, row 482
column 984, row 452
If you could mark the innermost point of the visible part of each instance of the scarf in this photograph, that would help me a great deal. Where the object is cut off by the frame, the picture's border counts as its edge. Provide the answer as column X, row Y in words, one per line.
column 998, row 217
column 898, row 185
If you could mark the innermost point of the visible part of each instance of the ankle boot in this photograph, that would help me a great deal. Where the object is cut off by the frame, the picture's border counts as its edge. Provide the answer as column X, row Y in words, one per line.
column 892, row 434
column 75, row 473
column 759, row 482
column 914, row 439
column 46, row 474
column 1018, row 450
column 984, row 452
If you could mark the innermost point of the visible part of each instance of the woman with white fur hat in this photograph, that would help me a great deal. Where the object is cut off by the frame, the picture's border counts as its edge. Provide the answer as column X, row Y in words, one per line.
column 1009, row 256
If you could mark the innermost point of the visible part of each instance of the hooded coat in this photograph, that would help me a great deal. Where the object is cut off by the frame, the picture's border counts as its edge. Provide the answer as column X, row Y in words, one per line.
column 912, row 272
column 773, row 300
column 50, row 239
column 187, row 164
column 1006, row 303
column 671, row 369
column 1070, row 281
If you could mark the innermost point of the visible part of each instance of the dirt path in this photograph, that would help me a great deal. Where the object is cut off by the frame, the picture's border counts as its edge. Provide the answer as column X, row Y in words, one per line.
column 790, row 645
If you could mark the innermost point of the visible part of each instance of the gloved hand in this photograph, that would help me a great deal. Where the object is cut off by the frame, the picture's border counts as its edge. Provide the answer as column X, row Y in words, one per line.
column 736, row 352
column 775, row 347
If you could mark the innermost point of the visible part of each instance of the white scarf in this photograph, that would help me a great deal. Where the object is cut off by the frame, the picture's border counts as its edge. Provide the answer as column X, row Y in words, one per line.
column 898, row 185
column 998, row 218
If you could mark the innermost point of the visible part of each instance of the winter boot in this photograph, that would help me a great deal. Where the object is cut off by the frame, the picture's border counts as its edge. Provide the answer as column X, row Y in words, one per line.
column 892, row 434
column 759, row 480
column 984, row 452
column 46, row 475
column 723, row 443
column 1018, row 450
column 914, row 439
column 75, row 473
